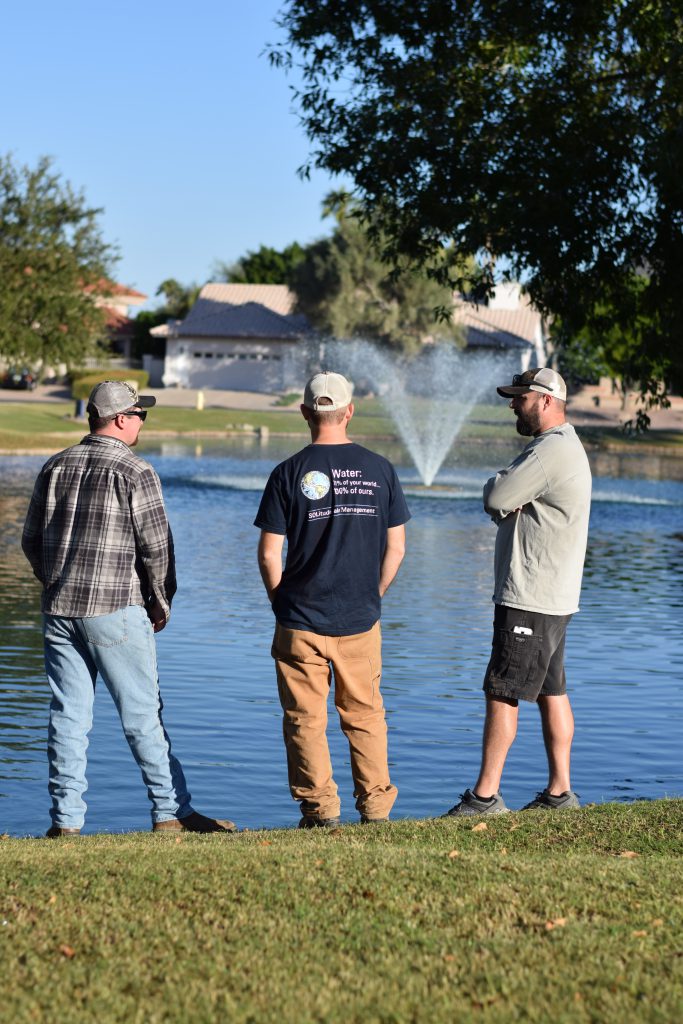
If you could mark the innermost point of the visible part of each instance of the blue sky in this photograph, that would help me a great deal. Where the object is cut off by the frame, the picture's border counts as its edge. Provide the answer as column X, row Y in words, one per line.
column 169, row 117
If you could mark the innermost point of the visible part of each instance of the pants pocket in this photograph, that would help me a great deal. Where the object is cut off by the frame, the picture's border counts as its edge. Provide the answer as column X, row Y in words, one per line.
column 107, row 630
column 515, row 657
column 295, row 645
column 361, row 645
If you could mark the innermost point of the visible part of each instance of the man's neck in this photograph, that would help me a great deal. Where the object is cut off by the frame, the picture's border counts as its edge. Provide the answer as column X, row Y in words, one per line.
column 108, row 432
column 329, row 435
column 550, row 426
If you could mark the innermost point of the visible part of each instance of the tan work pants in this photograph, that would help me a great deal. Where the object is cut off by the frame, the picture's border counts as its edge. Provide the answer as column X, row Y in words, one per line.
column 305, row 663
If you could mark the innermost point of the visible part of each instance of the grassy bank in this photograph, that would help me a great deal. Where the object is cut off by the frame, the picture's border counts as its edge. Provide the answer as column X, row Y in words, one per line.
column 537, row 917
column 33, row 426
column 48, row 427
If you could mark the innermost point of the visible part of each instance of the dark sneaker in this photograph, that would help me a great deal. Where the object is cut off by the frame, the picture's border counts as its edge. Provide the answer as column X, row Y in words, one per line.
column 194, row 822
column 372, row 821
column 547, row 802
column 55, row 832
column 471, row 804
column 309, row 822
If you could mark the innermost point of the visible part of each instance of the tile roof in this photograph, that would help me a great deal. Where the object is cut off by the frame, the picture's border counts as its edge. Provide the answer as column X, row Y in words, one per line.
column 243, row 311
column 501, row 328
column 276, row 297
column 111, row 288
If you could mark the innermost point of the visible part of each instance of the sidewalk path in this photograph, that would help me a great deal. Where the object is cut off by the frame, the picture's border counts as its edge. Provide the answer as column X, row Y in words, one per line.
column 178, row 398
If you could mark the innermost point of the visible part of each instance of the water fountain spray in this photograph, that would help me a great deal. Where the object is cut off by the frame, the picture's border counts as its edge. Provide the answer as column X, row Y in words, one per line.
column 428, row 396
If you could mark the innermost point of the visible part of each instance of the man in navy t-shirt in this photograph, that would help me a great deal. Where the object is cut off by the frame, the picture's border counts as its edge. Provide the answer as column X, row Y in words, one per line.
column 343, row 513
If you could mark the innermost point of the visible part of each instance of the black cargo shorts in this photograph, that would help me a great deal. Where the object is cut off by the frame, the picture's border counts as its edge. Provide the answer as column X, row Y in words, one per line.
column 527, row 655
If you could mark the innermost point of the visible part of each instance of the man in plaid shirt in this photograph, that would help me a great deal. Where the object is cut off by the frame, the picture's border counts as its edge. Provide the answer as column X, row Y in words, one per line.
column 97, row 538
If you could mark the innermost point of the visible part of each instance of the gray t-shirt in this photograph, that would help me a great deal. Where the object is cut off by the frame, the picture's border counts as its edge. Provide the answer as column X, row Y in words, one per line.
column 540, row 549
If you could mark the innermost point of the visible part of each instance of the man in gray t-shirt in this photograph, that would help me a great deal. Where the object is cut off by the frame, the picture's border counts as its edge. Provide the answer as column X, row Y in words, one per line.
column 541, row 505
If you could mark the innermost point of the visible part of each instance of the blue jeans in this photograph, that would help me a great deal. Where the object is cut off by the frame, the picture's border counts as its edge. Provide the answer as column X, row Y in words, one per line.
column 121, row 647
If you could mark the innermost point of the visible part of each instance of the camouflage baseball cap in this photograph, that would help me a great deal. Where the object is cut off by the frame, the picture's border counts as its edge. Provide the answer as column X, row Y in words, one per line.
column 114, row 396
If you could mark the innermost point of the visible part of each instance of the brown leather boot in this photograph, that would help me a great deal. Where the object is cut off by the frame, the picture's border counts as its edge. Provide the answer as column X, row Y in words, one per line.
column 194, row 822
column 55, row 832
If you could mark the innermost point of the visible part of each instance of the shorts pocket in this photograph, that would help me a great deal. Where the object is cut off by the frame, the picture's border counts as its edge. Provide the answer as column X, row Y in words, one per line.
column 107, row 630
column 514, row 658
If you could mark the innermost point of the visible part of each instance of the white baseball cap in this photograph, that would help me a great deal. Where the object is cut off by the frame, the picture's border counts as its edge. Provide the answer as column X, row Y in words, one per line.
column 330, row 386
column 543, row 380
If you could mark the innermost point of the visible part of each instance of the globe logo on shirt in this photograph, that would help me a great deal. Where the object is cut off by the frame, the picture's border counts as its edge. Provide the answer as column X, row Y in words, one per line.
column 315, row 485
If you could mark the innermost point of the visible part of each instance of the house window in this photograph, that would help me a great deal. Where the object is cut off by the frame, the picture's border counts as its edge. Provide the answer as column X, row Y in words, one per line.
column 197, row 355
column 208, row 355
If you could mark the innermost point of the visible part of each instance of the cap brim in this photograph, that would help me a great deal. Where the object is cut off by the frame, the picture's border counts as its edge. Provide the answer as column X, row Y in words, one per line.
column 505, row 392
column 146, row 401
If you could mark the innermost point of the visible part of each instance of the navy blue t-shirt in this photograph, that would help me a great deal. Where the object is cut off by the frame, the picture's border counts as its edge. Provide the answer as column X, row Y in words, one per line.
column 334, row 503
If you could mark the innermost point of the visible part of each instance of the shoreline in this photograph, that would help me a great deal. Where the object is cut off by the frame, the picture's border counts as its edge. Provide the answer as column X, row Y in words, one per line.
column 629, row 446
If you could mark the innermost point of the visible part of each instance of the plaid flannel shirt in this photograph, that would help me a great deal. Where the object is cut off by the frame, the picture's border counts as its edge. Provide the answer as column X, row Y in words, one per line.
column 96, row 532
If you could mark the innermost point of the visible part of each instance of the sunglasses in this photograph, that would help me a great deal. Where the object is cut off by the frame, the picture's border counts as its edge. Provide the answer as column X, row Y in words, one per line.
column 142, row 413
column 519, row 379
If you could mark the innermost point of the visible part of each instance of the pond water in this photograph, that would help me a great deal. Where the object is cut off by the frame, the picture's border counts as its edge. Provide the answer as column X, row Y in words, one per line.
column 624, row 652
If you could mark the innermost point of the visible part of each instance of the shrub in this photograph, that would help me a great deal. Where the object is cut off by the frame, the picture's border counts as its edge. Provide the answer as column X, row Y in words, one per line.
column 83, row 381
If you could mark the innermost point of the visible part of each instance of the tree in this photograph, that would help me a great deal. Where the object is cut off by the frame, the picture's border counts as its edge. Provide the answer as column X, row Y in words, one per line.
column 542, row 135
column 53, row 263
column 265, row 266
column 180, row 298
column 347, row 290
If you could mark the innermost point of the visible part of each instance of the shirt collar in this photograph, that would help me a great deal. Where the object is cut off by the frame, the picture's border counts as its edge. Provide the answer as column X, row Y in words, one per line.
column 105, row 439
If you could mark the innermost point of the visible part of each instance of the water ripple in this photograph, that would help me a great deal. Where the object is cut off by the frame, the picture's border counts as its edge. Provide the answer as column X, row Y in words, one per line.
column 624, row 654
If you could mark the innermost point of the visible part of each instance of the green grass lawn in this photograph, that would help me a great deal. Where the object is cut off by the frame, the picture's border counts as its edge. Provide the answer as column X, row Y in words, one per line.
column 26, row 426
column 564, row 917
column 48, row 427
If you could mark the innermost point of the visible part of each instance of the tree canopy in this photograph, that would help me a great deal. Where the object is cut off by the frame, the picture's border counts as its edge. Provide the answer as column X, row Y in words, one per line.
column 264, row 266
column 347, row 290
column 179, row 300
column 541, row 135
column 53, row 264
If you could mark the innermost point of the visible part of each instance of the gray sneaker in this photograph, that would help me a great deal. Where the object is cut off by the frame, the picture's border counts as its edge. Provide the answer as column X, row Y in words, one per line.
column 545, row 801
column 471, row 804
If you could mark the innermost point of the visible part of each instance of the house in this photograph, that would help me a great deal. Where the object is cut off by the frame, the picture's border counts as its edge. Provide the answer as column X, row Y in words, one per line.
column 508, row 324
column 116, row 300
column 236, row 337
column 246, row 337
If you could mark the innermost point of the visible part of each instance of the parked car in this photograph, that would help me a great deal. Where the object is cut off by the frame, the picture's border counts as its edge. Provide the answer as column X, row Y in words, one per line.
column 21, row 380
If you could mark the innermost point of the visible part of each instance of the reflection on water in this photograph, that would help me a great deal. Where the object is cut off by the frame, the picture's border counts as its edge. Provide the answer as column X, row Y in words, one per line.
column 624, row 657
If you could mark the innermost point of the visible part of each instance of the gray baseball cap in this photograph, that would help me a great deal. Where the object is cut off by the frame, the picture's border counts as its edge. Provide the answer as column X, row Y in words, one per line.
column 331, row 386
column 543, row 380
column 115, row 396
